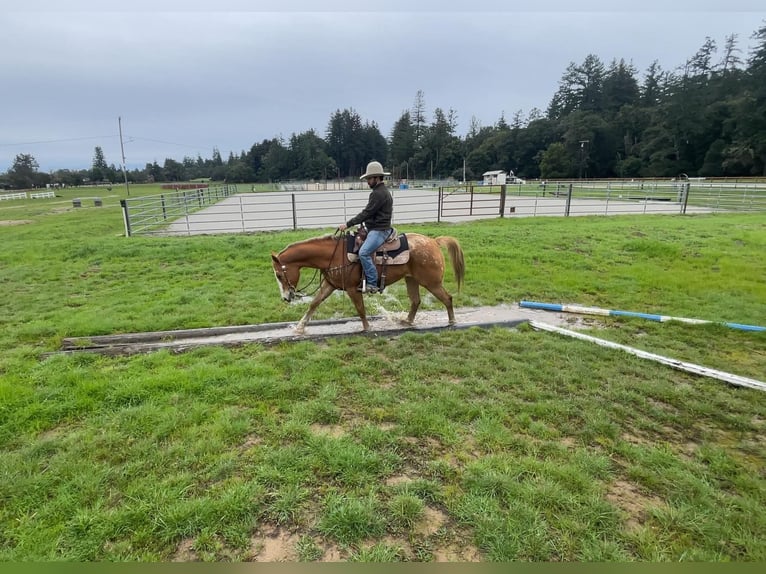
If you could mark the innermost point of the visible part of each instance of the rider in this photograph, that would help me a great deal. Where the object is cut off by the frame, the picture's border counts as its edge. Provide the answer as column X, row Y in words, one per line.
column 376, row 217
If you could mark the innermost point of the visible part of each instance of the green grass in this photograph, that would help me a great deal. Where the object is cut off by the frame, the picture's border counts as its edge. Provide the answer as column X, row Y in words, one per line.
column 486, row 445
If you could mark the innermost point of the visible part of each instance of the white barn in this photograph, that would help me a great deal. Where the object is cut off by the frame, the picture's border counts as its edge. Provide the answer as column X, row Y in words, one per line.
column 496, row 177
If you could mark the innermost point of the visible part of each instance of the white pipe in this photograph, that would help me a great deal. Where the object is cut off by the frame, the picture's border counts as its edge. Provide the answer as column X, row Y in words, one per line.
column 675, row 363
column 617, row 313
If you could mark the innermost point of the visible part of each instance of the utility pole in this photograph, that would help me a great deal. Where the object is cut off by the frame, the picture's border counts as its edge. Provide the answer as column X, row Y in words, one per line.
column 582, row 155
column 122, row 149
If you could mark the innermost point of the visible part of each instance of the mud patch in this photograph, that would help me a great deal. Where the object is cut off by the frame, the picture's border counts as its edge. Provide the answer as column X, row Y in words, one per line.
column 274, row 545
column 185, row 552
column 397, row 480
column 334, row 431
column 433, row 519
column 457, row 553
column 627, row 497
column 8, row 222
column 332, row 554
column 250, row 442
column 399, row 546
column 636, row 439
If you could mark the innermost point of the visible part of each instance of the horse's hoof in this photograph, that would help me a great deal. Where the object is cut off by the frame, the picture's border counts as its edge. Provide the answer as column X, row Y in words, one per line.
column 299, row 330
column 406, row 322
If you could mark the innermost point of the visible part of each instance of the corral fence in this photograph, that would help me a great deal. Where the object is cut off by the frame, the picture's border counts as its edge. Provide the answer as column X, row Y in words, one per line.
column 222, row 209
column 152, row 214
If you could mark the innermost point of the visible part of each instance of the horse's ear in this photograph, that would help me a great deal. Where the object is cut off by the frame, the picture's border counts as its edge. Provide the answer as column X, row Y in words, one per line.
column 274, row 257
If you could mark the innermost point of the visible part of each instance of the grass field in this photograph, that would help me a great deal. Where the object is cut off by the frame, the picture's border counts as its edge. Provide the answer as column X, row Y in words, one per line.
column 478, row 445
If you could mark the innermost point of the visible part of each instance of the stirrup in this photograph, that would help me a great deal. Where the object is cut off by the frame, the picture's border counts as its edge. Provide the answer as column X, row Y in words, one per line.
column 367, row 288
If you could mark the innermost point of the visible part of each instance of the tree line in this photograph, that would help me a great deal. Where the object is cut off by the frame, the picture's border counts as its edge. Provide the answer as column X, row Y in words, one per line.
column 705, row 118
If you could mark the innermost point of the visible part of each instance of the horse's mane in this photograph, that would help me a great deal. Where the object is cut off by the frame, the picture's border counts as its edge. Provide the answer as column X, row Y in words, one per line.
column 311, row 240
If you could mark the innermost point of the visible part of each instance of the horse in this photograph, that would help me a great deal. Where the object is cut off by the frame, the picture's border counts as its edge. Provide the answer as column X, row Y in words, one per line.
column 328, row 254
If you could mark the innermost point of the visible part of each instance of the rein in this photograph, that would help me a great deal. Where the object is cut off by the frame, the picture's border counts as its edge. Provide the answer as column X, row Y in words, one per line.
column 296, row 290
column 338, row 242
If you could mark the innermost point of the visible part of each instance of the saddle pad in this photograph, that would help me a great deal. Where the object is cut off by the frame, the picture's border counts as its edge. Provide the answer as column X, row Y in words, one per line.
column 396, row 257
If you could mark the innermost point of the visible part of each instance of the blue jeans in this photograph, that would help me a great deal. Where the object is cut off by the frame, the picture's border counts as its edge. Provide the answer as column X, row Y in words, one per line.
column 375, row 238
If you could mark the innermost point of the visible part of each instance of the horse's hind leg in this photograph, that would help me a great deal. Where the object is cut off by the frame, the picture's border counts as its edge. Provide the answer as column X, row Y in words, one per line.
column 441, row 294
column 413, row 291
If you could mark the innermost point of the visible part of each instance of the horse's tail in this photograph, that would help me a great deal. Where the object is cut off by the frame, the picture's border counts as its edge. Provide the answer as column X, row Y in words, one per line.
column 456, row 255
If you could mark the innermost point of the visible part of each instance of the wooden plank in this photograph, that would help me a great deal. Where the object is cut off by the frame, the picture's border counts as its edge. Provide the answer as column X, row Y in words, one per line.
column 134, row 343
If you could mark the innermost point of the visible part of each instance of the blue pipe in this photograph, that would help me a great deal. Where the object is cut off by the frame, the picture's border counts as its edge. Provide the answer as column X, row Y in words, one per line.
column 614, row 313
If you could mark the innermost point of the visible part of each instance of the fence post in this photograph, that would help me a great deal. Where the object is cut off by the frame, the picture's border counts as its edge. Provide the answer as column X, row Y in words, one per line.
column 569, row 201
column 295, row 213
column 686, row 187
column 125, row 217
column 470, row 209
column 440, row 205
column 186, row 214
column 164, row 213
column 502, row 200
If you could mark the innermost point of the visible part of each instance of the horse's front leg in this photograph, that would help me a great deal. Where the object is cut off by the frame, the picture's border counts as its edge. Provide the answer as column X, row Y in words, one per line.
column 358, row 300
column 324, row 292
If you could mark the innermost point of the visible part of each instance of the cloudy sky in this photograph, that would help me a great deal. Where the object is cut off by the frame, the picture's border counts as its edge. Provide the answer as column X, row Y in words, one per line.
column 185, row 79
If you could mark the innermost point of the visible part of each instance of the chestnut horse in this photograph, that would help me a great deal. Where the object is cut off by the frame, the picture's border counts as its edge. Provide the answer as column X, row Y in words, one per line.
column 328, row 255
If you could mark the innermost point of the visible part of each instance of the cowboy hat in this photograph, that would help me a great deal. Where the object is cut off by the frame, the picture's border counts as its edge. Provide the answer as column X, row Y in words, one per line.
column 374, row 169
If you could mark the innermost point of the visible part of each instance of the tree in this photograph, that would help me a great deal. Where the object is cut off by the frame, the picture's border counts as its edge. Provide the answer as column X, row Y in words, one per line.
column 239, row 171
column 419, row 115
column 345, row 142
column 439, row 151
column 652, row 88
column 579, row 88
column 309, row 157
column 154, row 172
column 700, row 64
column 620, row 86
column 556, row 162
column 401, row 146
column 276, row 162
column 713, row 166
column 750, row 111
column 374, row 144
column 173, row 170
column 99, row 168
column 23, row 173
column 731, row 59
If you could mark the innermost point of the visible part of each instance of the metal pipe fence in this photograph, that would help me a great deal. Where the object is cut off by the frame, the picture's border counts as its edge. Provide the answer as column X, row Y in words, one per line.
column 221, row 209
column 152, row 214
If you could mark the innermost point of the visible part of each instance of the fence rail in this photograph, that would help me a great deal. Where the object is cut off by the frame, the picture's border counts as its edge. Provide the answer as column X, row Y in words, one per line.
column 221, row 209
column 153, row 214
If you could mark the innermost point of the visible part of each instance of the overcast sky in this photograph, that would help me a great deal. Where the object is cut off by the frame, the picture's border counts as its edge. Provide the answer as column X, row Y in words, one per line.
column 185, row 79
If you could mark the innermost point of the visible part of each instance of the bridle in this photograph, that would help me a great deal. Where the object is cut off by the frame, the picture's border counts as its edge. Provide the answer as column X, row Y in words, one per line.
column 293, row 290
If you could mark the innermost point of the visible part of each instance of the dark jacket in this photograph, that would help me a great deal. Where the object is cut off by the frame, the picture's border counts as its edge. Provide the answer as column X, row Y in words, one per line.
column 379, row 210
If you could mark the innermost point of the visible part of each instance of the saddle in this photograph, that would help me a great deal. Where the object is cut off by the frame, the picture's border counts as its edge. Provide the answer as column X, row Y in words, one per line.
column 394, row 251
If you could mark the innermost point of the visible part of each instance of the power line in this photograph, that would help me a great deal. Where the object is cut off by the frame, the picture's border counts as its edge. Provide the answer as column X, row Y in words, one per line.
column 58, row 140
column 128, row 139
column 132, row 138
